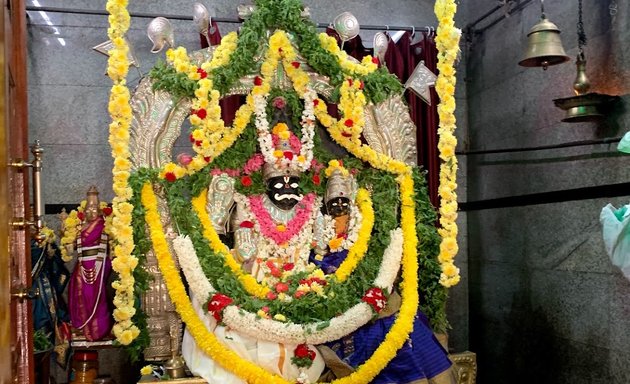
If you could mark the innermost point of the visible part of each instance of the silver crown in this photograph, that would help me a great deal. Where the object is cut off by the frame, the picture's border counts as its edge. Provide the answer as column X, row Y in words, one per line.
column 340, row 186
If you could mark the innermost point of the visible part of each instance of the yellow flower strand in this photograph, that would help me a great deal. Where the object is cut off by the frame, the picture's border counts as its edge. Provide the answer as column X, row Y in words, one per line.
column 120, row 111
column 360, row 247
column 206, row 340
column 366, row 66
column 447, row 42
column 210, row 136
column 248, row 371
column 249, row 282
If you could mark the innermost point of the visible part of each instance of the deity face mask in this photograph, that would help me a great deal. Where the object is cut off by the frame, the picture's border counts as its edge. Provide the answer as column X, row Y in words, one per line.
column 338, row 206
column 284, row 191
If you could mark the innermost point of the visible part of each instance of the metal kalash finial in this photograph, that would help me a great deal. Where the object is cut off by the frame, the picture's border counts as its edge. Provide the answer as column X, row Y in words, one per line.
column 202, row 19
column 160, row 32
column 347, row 27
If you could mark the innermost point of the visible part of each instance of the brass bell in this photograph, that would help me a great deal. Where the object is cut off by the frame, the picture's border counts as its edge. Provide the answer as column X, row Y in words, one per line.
column 544, row 47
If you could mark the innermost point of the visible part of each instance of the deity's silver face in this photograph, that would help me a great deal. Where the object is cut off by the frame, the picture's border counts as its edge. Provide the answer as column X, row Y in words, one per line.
column 284, row 191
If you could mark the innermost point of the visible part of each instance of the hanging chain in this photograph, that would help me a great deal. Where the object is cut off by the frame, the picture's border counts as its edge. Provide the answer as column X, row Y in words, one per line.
column 580, row 30
column 542, row 9
column 613, row 8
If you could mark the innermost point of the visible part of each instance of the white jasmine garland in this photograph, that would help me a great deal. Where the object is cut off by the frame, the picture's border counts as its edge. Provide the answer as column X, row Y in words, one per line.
column 280, row 332
column 197, row 280
column 338, row 327
column 308, row 132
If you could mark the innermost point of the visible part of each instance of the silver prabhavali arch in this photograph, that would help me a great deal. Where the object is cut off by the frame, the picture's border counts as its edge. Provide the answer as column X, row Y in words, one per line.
column 157, row 121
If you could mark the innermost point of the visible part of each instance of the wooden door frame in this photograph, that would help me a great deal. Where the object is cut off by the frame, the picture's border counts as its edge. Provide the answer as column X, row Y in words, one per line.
column 15, row 132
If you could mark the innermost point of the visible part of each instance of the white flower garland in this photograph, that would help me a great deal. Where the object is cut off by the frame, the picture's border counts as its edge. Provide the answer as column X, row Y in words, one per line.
column 299, row 163
column 280, row 332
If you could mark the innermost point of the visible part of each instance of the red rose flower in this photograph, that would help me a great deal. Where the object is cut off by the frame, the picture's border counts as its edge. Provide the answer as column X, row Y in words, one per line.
column 316, row 102
column 288, row 155
column 301, row 351
column 246, row 181
column 201, row 113
column 207, row 159
column 203, row 74
column 316, row 179
column 80, row 216
column 346, row 134
column 348, row 123
column 275, row 272
column 107, row 211
column 311, row 354
column 375, row 60
column 246, row 224
column 198, row 143
column 282, row 287
column 191, row 138
column 350, row 82
column 271, row 295
column 217, row 303
column 375, row 298
column 361, row 85
column 288, row 266
column 258, row 81
column 170, row 176
column 295, row 64
column 299, row 294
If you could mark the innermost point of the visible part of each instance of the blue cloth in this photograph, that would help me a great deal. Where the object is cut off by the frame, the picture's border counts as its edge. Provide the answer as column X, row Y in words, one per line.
column 331, row 261
column 422, row 356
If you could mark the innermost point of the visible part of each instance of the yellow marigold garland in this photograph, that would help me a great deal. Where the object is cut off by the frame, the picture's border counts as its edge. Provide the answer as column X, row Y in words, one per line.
column 360, row 247
column 210, row 136
column 120, row 111
column 250, row 372
column 447, row 42
column 366, row 66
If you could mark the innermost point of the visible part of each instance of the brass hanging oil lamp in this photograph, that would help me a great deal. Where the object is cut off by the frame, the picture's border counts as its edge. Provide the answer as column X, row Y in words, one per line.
column 584, row 106
column 544, row 47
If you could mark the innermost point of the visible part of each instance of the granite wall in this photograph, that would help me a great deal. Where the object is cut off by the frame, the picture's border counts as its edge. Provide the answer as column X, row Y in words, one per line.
column 68, row 95
column 546, row 305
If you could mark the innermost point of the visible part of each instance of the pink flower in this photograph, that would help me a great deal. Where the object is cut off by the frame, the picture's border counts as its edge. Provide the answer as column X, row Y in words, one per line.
column 279, row 102
column 268, row 226
column 271, row 296
column 184, row 159
column 254, row 164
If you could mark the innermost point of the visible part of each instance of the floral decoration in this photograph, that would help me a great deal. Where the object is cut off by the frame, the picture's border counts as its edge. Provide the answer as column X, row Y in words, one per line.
column 124, row 262
column 447, row 42
column 303, row 356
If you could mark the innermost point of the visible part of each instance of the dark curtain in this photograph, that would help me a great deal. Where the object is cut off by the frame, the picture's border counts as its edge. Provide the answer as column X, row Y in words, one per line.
column 401, row 59
column 229, row 105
